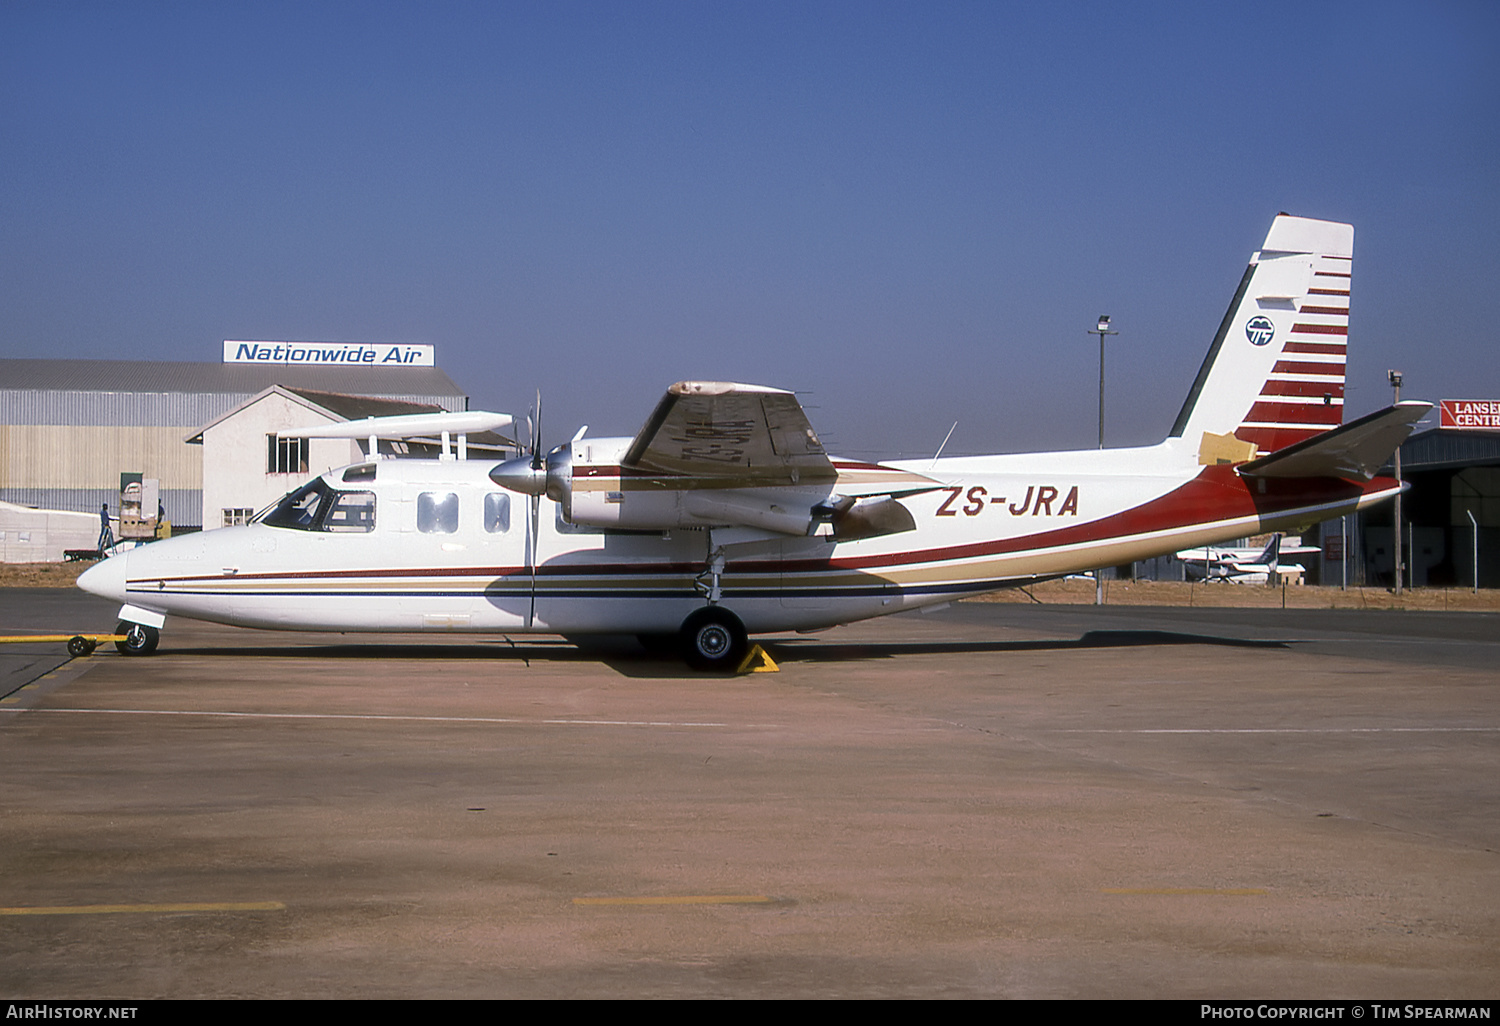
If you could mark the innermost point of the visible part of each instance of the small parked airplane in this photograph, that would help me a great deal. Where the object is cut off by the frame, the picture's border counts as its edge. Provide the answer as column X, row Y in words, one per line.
column 1243, row 566
column 724, row 517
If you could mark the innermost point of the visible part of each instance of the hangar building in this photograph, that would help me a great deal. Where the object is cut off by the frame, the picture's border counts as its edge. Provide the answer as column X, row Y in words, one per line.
column 248, row 462
column 1454, row 475
column 69, row 428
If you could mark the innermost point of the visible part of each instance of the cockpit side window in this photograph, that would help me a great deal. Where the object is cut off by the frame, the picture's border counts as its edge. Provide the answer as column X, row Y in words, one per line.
column 317, row 507
column 301, row 509
column 351, row 511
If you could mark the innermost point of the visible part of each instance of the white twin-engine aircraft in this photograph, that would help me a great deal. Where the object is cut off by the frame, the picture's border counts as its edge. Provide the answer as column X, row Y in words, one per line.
column 723, row 517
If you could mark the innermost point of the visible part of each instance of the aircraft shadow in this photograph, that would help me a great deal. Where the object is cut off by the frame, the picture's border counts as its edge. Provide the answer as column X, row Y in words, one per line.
column 625, row 656
column 800, row 650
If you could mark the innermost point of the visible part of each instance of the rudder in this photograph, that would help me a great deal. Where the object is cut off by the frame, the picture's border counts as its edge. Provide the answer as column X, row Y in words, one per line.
column 1275, row 372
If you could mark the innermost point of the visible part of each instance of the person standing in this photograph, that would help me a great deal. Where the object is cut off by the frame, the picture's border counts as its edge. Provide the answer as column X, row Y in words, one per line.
column 106, row 536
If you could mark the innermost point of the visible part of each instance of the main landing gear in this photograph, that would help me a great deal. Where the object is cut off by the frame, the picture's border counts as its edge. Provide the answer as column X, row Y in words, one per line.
column 139, row 639
column 713, row 639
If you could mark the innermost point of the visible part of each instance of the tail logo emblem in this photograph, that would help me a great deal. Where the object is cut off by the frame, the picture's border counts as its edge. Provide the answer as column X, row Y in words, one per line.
column 1259, row 330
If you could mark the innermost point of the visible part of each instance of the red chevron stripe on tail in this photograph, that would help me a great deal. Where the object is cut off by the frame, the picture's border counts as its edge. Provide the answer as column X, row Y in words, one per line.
column 1275, row 373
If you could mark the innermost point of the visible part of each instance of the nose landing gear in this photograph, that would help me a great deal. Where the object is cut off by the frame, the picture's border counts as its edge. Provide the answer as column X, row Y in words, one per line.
column 139, row 639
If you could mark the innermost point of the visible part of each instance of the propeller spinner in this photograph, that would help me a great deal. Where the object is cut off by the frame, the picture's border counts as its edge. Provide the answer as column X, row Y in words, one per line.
column 537, row 474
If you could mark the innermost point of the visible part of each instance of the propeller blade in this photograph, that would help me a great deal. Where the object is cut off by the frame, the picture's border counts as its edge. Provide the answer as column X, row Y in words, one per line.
column 536, row 434
column 532, row 529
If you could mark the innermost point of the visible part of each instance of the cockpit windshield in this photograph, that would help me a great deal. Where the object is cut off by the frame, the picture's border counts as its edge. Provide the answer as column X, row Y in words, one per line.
column 317, row 507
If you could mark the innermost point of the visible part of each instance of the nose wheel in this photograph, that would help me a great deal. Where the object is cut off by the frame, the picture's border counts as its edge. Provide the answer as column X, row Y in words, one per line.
column 139, row 639
column 714, row 639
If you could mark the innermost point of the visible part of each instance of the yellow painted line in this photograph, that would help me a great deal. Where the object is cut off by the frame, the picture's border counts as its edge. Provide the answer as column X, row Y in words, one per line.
column 18, row 639
column 180, row 906
column 1233, row 891
column 680, row 899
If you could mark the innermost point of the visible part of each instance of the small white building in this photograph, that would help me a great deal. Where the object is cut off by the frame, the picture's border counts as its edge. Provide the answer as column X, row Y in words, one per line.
column 248, row 464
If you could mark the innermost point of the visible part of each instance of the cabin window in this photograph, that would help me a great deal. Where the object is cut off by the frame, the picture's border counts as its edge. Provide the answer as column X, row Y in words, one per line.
column 286, row 455
column 437, row 512
column 351, row 511
column 497, row 512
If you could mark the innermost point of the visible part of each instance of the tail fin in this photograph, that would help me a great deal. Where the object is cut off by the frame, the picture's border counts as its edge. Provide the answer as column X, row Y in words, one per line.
column 1275, row 373
column 1271, row 554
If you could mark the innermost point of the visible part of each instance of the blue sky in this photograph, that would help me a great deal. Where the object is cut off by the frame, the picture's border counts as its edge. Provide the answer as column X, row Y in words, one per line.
column 909, row 212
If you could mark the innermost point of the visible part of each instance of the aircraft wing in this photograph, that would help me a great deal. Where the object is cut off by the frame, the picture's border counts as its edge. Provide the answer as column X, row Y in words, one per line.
column 730, row 435
column 1356, row 450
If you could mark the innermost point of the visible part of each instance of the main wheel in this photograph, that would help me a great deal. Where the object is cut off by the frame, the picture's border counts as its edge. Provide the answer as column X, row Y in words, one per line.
column 714, row 639
column 139, row 639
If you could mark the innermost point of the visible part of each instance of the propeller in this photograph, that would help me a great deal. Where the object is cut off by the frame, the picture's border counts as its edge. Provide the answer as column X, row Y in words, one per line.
column 536, row 432
column 526, row 474
column 538, row 476
column 539, row 472
column 535, row 474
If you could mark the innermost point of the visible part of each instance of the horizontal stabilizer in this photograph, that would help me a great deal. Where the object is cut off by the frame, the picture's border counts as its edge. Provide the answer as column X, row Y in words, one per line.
column 1356, row 450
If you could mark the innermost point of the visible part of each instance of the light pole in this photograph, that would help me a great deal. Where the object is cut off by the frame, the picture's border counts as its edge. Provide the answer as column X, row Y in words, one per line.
column 1394, row 377
column 1474, row 522
column 1101, row 330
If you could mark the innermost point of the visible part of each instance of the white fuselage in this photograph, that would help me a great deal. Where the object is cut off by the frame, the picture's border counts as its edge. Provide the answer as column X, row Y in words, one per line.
column 437, row 546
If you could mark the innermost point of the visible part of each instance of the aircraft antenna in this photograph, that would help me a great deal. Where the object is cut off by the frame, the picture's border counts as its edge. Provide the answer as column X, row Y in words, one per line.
column 945, row 443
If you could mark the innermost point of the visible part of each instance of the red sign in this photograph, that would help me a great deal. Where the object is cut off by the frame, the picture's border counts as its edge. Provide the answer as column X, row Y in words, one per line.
column 1470, row 414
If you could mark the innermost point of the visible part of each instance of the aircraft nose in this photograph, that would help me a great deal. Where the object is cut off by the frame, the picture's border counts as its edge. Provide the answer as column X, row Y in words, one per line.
column 106, row 579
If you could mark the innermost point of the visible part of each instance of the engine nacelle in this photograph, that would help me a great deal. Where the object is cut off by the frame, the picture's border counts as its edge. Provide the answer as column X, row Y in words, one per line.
column 585, row 477
column 658, row 508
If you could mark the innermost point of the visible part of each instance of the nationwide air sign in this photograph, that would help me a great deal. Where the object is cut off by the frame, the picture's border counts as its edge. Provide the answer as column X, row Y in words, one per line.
column 1470, row 414
column 361, row 354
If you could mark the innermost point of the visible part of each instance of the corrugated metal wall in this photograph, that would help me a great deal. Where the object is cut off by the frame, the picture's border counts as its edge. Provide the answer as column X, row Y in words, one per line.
column 92, row 456
column 183, row 506
column 176, row 409
column 66, row 448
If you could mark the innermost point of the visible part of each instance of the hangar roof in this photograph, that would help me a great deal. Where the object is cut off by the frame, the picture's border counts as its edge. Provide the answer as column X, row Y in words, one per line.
column 1446, row 448
column 345, row 407
column 234, row 378
column 358, row 407
column 167, row 394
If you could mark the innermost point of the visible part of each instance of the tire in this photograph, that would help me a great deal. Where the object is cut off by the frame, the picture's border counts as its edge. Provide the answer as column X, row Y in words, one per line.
column 139, row 639
column 713, row 639
column 80, row 646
